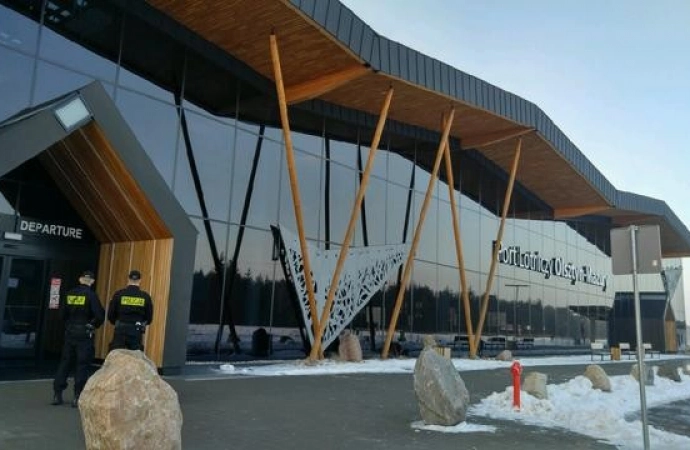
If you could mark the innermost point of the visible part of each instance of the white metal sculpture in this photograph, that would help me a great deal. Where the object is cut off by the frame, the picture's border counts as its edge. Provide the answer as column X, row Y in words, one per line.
column 366, row 270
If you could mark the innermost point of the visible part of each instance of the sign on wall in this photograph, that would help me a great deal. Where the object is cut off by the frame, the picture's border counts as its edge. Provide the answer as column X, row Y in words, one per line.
column 54, row 302
column 555, row 266
column 49, row 229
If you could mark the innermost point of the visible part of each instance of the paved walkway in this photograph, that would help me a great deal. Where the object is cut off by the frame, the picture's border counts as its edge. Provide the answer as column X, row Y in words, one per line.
column 329, row 412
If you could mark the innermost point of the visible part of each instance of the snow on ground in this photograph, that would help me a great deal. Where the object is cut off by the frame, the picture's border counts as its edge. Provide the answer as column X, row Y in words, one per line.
column 573, row 405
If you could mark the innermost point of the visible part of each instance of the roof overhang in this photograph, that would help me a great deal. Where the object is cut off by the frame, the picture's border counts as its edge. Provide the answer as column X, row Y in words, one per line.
column 329, row 54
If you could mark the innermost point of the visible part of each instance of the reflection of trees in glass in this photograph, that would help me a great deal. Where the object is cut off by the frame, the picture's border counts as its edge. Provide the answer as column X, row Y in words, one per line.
column 251, row 299
column 429, row 312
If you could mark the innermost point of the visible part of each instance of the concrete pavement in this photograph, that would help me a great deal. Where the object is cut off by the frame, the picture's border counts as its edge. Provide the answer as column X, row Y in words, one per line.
column 339, row 412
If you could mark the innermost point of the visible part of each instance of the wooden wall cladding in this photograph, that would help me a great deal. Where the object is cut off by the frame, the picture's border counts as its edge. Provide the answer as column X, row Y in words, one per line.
column 97, row 183
column 154, row 259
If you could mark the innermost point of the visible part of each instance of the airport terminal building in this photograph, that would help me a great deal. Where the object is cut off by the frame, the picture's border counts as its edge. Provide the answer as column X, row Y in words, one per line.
column 149, row 135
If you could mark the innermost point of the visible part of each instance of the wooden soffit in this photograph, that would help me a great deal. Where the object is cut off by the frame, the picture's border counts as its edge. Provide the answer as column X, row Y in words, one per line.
column 316, row 65
column 98, row 185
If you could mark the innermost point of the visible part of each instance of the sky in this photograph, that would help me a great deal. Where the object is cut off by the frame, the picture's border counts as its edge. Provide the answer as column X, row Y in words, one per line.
column 573, row 405
column 613, row 75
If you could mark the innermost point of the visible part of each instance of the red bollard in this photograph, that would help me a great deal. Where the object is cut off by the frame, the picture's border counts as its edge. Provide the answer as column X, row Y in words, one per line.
column 516, row 370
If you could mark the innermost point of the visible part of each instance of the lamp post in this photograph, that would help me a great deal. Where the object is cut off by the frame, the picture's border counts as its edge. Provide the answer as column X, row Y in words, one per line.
column 517, row 296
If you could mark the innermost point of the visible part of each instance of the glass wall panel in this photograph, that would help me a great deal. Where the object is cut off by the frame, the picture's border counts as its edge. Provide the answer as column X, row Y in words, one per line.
column 133, row 82
column 53, row 81
column 427, row 249
column 344, row 184
column 488, row 233
column 342, row 153
column 470, row 235
column 446, row 237
column 442, row 191
column 312, row 144
column 253, row 285
column 421, row 182
column 562, row 326
column 8, row 202
column 535, row 315
column 550, row 312
column 184, row 188
column 308, row 170
column 380, row 168
column 395, row 207
column 63, row 52
column 474, row 291
column 376, row 199
column 155, row 125
column 424, row 297
column 266, row 196
column 285, row 314
column 18, row 32
column 207, row 287
column 399, row 170
column 212, row 142
column 15, row 82
column 450, row 306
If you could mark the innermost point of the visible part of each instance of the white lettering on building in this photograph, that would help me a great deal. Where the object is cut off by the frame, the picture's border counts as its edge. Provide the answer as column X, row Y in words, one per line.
column 514, row 256
column 50, row 229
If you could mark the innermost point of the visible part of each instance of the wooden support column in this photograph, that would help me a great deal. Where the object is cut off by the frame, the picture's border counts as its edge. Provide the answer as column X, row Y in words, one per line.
column 458, row 250
column 417, row 235
column 356, row 208
column 494, row 253
column 294, row 186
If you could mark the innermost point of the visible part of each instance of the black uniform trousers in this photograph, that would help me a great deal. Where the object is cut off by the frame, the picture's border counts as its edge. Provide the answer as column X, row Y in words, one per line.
column 127, row 336
column 78, row 348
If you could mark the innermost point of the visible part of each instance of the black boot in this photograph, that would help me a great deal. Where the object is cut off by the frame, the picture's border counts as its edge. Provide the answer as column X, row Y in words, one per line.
column 75, row 401
column 57, row 399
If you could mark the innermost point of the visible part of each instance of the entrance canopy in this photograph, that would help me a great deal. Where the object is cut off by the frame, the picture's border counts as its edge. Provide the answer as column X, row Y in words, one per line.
column 87, row 148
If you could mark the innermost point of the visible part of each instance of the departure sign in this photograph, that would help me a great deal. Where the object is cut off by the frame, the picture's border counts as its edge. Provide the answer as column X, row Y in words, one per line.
column 50, row 229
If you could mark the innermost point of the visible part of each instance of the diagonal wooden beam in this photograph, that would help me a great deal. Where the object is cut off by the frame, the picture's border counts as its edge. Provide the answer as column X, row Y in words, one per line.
column 417, row 235
column 294, row 186
column 318, row 86
column 497, row 246
column 356, row 208
column 458, row 249
column 483, row 140
column 562, row 213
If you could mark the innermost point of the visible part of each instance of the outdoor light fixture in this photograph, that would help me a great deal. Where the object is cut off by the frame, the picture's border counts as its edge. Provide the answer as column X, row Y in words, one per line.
column 72, row 113
column 12, row 236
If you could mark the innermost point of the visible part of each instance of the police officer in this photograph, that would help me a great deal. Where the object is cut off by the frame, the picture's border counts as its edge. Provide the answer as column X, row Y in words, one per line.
column 130, row 310
column 82, row 313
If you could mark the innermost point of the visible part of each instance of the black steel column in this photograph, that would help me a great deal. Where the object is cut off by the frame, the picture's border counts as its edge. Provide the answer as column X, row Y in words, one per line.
column 232, row 270
column 218, row 264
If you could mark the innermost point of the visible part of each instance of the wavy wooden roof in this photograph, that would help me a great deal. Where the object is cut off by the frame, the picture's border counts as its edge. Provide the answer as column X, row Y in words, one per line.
column 328, row 53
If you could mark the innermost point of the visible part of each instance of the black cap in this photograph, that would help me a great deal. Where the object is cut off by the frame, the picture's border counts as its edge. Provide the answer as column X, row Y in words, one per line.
column 88, row 274
column 134, row 275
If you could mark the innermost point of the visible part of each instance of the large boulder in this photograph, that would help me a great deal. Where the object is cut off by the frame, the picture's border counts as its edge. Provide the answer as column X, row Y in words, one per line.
column 349, row 349
column 535, row 385
column 441, row 393
column 505, row 355
column 598, row 377
column 127, row 405
column 649, row 374
column 670, row 371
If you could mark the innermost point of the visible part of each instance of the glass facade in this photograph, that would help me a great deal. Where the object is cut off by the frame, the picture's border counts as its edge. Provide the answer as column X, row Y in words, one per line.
column 228, row 170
